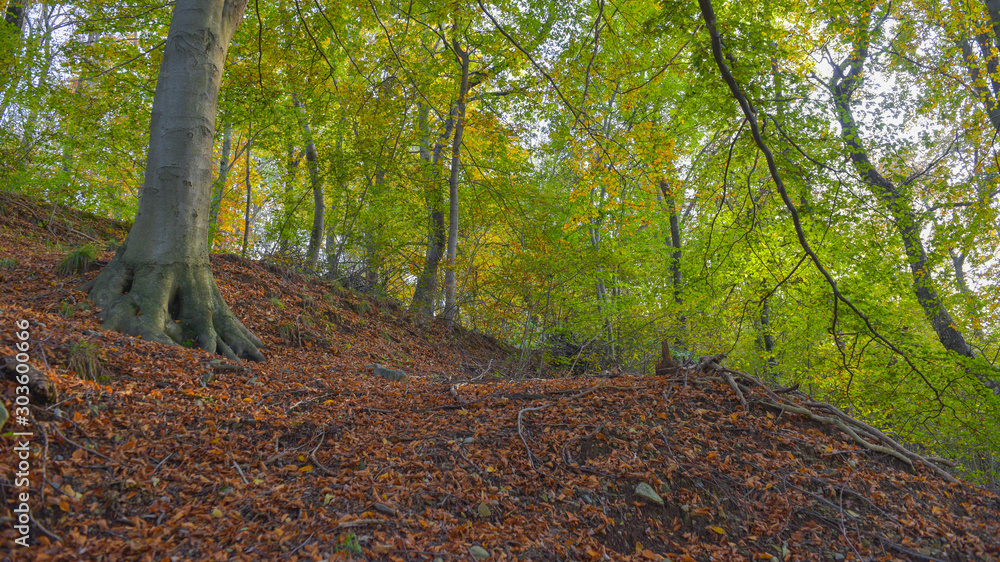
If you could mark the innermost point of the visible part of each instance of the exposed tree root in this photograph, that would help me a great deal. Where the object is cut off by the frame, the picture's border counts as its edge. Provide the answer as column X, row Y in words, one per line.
column 860, row 432
column 174, row 303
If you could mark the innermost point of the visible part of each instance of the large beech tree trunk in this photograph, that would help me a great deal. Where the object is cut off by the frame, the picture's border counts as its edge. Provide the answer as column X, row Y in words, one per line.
column 159, row 286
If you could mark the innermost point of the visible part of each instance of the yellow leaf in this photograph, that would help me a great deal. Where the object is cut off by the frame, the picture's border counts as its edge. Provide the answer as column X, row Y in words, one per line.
column 718, row 530
column 306, row 468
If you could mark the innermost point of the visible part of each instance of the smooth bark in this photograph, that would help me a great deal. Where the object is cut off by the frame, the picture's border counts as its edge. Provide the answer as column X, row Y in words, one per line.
column 426, row 289
column 847, row 78
column 450, row 278
column 220, row 184
column 674, row 241
column 159, row 285
column 316, row 182
column 246, row 212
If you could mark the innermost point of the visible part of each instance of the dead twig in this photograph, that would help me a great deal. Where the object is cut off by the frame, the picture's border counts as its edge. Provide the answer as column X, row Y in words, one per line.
column 79, row 446
column 520, row 417
column 565, row 457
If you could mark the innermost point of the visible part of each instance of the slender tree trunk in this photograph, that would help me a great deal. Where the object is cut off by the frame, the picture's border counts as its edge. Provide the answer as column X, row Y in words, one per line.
column 842, row 88
column 316, row 181
column 675, row 240
column 333, row 249
column 159, row 285
column 246, row 213
column 373, row 245
column 10, row 33
column 450, row 279
column 982, row 81
column 426, row 289
column 291, row 165
column 14, row 15
column 220, row 184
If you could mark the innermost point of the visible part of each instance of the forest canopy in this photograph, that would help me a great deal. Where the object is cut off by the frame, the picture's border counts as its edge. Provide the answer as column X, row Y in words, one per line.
column 808, row 187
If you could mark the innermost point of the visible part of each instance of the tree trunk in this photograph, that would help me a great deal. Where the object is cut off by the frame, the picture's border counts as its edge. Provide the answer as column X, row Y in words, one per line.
column 316, row 181
column 246, row 212
column 374, row 238
column 220, row 184
column 291, row 165
column 159, row 286
column 426, row 289
column 450, row 279
column 907, row 224
column 675, row 240
column 14, row 15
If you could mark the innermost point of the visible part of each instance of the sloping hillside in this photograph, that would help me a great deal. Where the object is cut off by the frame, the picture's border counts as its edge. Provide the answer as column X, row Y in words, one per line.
column 154, row 452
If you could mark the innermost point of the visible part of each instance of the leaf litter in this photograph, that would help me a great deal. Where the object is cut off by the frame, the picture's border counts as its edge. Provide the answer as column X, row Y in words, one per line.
column 171, row 453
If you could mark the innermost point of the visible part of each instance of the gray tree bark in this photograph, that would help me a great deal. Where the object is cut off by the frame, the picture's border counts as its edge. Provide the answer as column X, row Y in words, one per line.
column 426, row 289
column 675, row 240
column 847, row 78
column 450, row 279
column 246, row 212
column 159, row 286
column 220, row 184
column 14, row 14
column 316, row 181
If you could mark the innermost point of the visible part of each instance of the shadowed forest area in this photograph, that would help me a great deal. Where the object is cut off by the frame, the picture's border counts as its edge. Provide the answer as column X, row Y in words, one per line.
column 514, row 280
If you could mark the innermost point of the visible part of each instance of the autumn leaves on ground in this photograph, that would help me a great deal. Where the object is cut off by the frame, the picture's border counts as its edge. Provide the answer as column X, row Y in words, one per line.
column 154, row 452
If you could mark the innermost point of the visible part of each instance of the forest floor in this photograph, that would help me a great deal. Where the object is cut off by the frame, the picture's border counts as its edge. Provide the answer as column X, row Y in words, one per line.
column 153, row 452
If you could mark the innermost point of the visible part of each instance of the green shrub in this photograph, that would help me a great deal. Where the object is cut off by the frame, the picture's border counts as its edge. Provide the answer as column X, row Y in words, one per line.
column 8, row 263
column 291, row 333
column 79, row 261
column 350, row 545
column 84, row 361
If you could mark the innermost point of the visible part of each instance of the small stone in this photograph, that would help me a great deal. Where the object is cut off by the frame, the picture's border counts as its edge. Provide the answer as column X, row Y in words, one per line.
column 484, row 510
column 384, row 509
column 391, row 375
column 479, row 553
column 469, row 440
column 646, row 492
column 3, row 415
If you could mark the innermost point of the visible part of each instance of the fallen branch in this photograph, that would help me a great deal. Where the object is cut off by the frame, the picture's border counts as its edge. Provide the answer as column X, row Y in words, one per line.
column 860, row 432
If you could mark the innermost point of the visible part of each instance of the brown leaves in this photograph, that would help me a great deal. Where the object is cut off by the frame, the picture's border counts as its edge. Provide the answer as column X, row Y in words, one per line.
column 309, row 457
